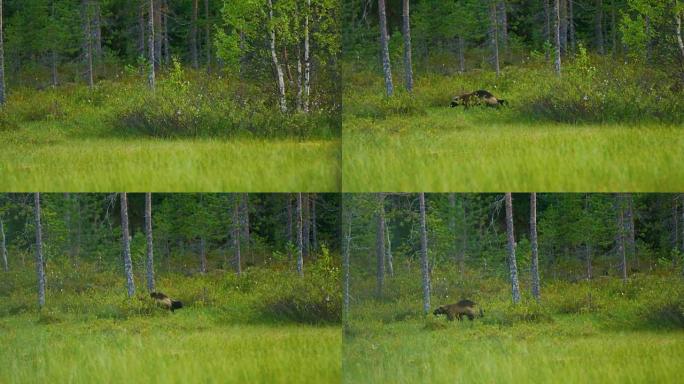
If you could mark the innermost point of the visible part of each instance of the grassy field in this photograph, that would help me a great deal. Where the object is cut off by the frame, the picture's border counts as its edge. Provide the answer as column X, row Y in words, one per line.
column 183, row 347
column 38, row 158
column 477, row 150
column 581, row 332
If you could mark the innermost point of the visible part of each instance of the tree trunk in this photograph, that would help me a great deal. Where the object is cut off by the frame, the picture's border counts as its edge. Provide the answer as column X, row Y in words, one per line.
column 424, row 255
column 207, row 34
column 494, row 38
column 613, row 29
column 534, row 246
column 126, row 243
column 87, row 42
column 678, row 34
column 290, row 238
column 193, row 36
column 165, row 31
column 300, row 245
column 3, row 240
column 587, row 243
column 306, row 225
column 244, row 222
column 40, row 262
column 141, row 29
column 547, row 27
column 307, row 60
column 390, row 260
column 503, row 22
column 150, row 243
column 276, row 64
column 598, row 27
column 556, row 37
column 619, row 202
column 408, row 65
column 564, row 26
column 380, row 245
column 157, row 33
column 53, row 48
column 629, row 228
column 461, row 54
column 151, row 43
column 97, row 31
column 452, row 225
column 512, row 264
column 384, row 47
column 314, row 231
column 675, row 227
column 571, row 25
column 2, row 59
column 236, row 236
column 464, row 235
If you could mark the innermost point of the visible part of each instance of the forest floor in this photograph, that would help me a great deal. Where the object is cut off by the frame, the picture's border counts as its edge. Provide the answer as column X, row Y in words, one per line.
column 46, row 157
column 184, row 347
column 587, row 332
column 473, row 150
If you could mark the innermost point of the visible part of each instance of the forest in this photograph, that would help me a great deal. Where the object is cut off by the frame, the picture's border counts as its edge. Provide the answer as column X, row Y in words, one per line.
column 145, row 89
column 572, row 287
column 593, row 91
column 78, row 271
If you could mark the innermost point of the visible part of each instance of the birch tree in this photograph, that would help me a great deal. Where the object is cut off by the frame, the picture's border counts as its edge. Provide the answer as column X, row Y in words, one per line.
column 307, row 60
column 384, row 47
column 126, row 244
column 40, row 262
column 534, row 246
column 151, row 43
column 406, row 27
column 556, row 37
column 424, row 255
column 87, row 42
column 280, row 79
column 512, row 263
column 494, row 35
column 150, row 243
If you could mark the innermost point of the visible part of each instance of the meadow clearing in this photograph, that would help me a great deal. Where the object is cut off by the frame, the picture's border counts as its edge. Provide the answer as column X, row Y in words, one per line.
column 596, row 331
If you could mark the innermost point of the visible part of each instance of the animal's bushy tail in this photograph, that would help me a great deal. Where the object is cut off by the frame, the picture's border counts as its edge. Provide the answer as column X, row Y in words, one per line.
column 175, row 304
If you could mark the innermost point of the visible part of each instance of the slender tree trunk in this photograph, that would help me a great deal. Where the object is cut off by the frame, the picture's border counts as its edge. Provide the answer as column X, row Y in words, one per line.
column 461, row 54
column 556, row 37
column 157, row 33
column 503, row 22
column 207, row 34
column 408, row 65
column 150, row 243
column 40, row 262
column 390, row 259
column 619, row 202
column 587, row 242
column 314, row 231
column 424, row 255
column 2, row 59
column 512, row 263
column 53, row 48
column 280, row 79
column 236, row 236
column 165, row 31
column 244, row 208
column 193, row 36
column 598, row 27
column 675, row 227
column 534, row 246
column 571, row 25
column 307, row 60
column 493, row 31
column 464, row 235
column 141, row 29
column 87, row 42
column 452, row 225
column 678, row 34
column 629, row 228
column 290, row 238
column 380, row 245
column 547, row 27
column 3, row 243
column 97, row 31
column 300, row 245
column 384, row 47
column 151, row 43
column 613, row 29
column 306, row 225
column 346, row 245
column 564, row 26
column 126, row 244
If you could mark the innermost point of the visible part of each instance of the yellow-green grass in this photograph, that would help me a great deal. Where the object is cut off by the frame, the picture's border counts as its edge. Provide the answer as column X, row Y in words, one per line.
column 568, row 351
column 184, row 347
column 449, row 149
column 41, row 158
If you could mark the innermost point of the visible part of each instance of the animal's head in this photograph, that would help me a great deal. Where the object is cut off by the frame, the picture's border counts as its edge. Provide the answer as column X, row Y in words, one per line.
column 455, row 101
column 439, row 311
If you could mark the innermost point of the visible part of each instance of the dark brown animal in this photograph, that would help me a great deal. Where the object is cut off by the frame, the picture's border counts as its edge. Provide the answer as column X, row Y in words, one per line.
column 458, row 310
column 477, row 98
column 166, row 301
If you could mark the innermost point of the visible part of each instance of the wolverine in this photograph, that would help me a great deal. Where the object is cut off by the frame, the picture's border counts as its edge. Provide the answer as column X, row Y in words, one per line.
column 458, row 310
column 166, row 301
column 476, row 98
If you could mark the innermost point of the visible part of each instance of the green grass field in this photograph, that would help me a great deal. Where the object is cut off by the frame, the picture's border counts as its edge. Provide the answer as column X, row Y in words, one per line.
column 586, row 332
column 184, row 347
column 43, row 159
column 477, row 150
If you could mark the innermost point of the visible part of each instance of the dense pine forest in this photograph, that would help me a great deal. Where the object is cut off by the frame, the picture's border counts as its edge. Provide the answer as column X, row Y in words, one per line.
column 584, row 82
column 78, row 270
column 170, row 81
column 587, row 280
